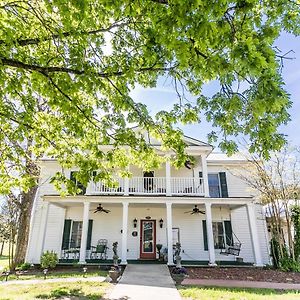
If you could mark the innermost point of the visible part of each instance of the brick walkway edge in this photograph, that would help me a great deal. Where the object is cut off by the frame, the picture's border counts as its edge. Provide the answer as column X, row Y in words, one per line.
column 241, row 284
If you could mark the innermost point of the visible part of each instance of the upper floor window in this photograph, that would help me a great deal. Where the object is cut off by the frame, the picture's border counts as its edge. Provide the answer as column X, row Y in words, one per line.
column 217, row 185
column 77, row 183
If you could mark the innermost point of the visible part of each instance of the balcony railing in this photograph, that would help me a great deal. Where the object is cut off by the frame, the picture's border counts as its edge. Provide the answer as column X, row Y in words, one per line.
column 151, row 186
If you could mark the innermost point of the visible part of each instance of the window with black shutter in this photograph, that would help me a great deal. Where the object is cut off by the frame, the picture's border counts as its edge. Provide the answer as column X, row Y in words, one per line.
column 77, row 183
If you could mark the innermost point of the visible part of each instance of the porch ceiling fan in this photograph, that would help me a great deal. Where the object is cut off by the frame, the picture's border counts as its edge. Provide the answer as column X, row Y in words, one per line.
column 99, row 208
column 195, row 211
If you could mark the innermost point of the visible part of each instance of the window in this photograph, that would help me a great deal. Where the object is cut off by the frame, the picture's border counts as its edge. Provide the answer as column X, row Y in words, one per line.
column 77, row 183
column 222, row 234
column 214, row 185
column 76, row 231
column 219, row 236
column 175, row 236
column 217, row 185
column 72, row 234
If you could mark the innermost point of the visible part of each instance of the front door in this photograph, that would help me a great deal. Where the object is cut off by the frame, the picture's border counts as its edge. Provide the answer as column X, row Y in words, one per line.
column 148, row 239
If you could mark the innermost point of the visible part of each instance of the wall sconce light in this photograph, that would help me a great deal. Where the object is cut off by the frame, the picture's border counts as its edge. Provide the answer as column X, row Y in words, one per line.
column 134, row 222
column 161, row 223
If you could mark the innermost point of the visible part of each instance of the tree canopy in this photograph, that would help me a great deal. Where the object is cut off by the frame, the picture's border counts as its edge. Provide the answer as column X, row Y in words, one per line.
column 67, row 69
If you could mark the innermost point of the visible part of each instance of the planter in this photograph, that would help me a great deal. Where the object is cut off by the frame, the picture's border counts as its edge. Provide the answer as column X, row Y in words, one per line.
column 114, row 275
column 178, row 278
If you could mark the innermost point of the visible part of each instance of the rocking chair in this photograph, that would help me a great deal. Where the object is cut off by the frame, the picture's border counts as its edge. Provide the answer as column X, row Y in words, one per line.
column 99, row 251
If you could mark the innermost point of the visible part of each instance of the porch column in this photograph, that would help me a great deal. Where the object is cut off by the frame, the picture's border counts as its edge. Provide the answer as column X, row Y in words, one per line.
column 205, row 175
column 210, row 237
column 45, row 210
column 254, row 234
column 84, row 233
column 124, row 233
column 168, row 178
column 169, row 233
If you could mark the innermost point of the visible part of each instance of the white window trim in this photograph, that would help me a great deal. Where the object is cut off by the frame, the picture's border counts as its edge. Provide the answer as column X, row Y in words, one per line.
column 219, row 181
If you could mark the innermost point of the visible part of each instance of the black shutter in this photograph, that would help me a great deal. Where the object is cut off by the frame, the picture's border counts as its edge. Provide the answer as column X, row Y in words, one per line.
column 201, row 174
column 228, row 233
column 66, row 235
column 89, row 235
column 72, row 176
column 77, row 183
column 204, row 235
column 224, row 190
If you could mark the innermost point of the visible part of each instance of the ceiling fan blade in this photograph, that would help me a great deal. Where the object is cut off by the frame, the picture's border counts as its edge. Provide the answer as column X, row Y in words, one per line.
column 202, row 212
column 187, row 212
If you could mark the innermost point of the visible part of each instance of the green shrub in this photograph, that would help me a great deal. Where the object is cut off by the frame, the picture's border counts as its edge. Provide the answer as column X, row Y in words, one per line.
column 23, row 267
column 288, row 264
column 49, row 259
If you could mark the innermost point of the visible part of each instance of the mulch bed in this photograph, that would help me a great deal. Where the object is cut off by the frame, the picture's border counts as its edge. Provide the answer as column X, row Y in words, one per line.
column 249, row 274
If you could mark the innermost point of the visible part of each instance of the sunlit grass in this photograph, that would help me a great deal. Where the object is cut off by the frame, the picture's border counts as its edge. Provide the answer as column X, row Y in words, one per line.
column 213, row 293
column 4, row 258
column 79, row 289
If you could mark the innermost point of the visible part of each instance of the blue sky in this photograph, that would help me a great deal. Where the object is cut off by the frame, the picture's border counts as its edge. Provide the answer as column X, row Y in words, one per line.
column 164, row 96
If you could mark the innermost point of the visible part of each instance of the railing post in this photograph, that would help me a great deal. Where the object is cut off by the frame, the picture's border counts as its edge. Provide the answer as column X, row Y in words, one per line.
column 168, row 178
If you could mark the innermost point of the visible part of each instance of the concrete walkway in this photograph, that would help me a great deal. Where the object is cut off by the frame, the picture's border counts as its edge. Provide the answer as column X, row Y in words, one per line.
column 145, row 282
column 242, row 284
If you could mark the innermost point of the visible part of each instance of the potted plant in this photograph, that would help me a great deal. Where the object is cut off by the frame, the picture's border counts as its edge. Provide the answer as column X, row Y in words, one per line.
column 178, row 274
column 114, row 273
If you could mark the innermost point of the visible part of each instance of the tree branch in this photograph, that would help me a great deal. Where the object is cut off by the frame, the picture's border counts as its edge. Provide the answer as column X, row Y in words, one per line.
column 35, row 41
column 55, row 69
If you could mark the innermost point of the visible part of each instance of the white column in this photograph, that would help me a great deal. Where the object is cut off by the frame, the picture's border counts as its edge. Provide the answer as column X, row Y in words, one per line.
column 254, row 234
column 84, row 233
column 43, row 227
column 169, row 234
column 197, row 187
column 205, row 175
column 168, row 178
column 124, row 234
column 126, row 186
column 210, row 237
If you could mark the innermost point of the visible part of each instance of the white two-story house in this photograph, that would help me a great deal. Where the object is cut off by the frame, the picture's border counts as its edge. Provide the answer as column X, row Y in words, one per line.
column 204, row 206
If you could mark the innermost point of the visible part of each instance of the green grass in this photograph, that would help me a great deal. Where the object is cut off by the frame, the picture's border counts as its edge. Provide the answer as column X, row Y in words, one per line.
column 4, row 258
column 59, row 274
column 213, row 293
column 79, row 290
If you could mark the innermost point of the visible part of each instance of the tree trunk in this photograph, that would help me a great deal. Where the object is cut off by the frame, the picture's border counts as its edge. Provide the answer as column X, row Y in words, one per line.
column 26, row 204
column 2, row 247
column 24, row 225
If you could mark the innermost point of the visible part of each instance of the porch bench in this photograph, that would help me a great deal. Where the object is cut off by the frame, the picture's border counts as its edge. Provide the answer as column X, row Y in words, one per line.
column 72, row 253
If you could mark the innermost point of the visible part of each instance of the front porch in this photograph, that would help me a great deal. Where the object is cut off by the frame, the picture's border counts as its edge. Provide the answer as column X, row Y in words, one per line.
column 130, row 220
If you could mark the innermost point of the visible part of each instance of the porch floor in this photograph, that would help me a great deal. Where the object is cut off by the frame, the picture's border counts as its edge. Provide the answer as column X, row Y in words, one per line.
column 187, row 263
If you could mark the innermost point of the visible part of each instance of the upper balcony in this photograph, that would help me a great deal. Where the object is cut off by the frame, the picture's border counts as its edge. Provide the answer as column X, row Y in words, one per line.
column 165, row 186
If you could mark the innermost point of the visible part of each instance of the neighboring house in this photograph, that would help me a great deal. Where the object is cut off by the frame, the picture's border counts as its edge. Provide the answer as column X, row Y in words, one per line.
column 153, row 208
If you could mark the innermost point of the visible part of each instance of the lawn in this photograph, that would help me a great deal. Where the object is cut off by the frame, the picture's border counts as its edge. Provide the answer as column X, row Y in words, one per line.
column 4, row 258
column 78, row 290
column 213, row 293
column 38, row 274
